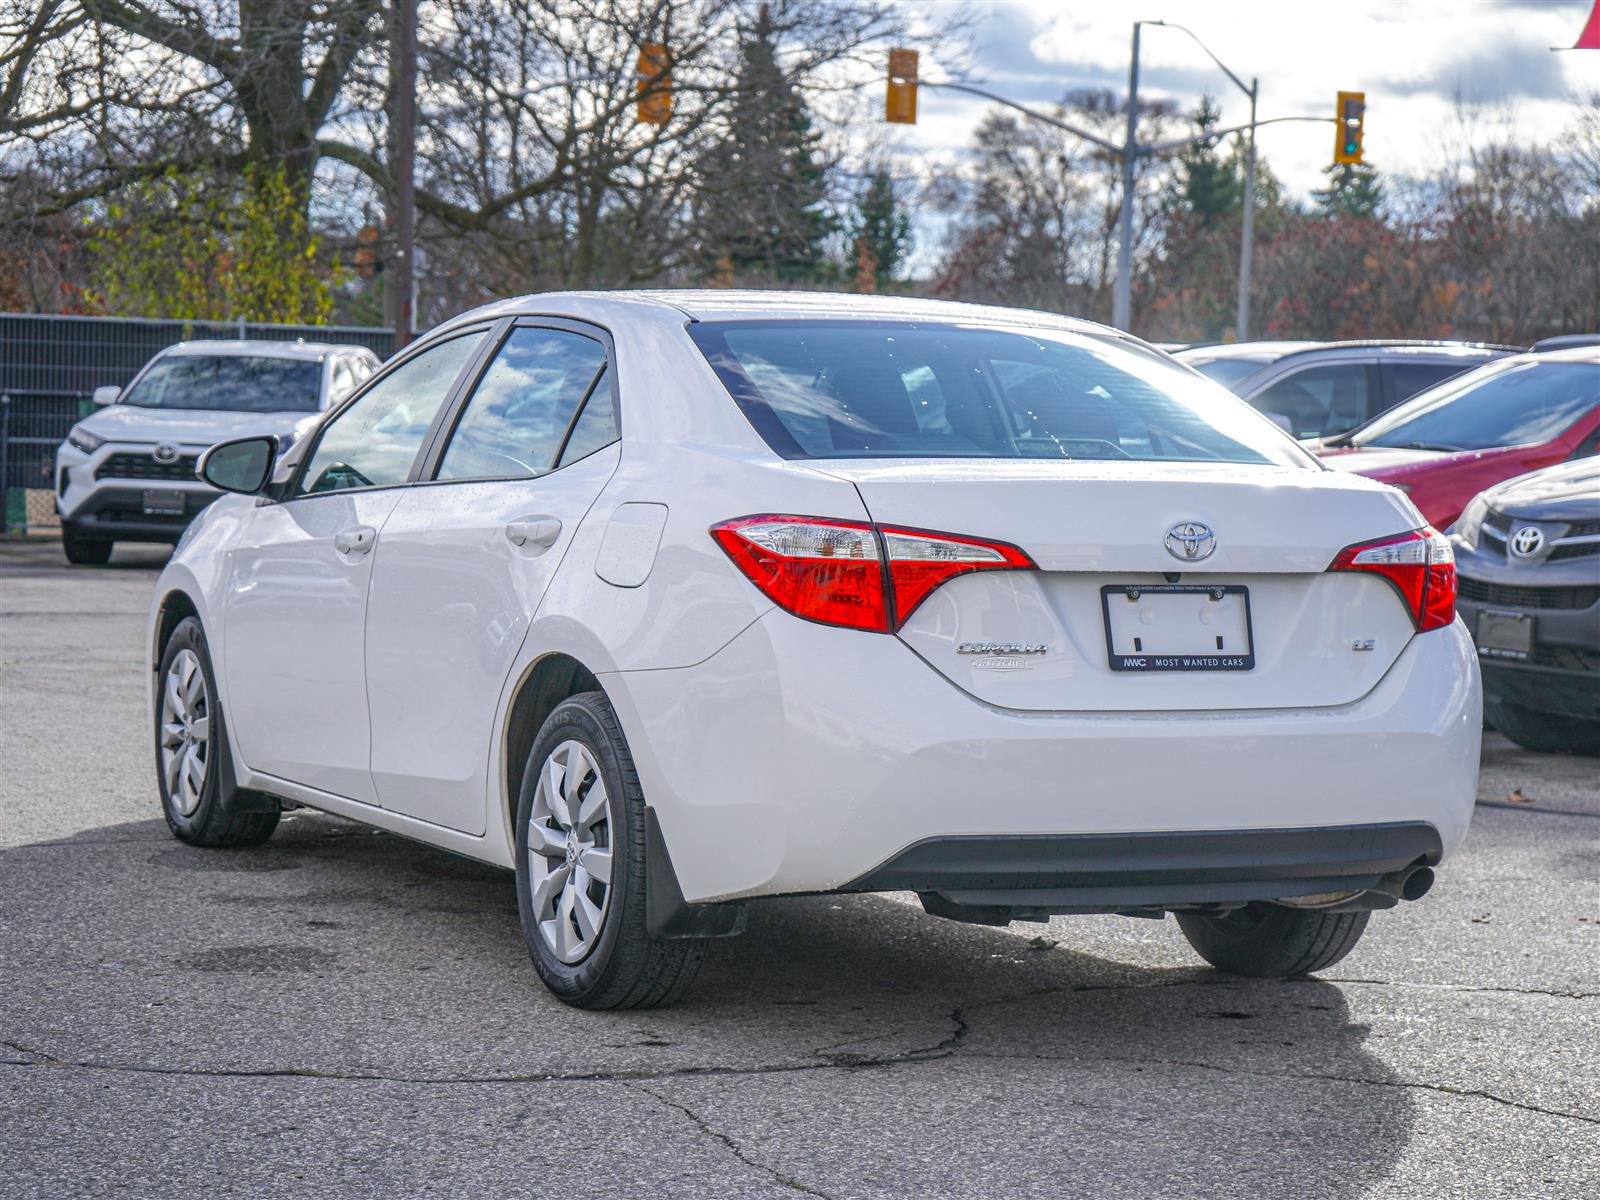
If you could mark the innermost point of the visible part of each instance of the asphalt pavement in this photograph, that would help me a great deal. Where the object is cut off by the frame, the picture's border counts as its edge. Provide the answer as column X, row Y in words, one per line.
column 344, row 1013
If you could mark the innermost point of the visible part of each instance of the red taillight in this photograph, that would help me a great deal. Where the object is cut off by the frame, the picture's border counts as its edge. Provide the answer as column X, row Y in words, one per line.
column 853, row 574
column 1422, row 567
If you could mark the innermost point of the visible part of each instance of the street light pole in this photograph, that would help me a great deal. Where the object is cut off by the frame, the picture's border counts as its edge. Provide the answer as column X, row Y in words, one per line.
column 1247, row 235
column 1122, row 295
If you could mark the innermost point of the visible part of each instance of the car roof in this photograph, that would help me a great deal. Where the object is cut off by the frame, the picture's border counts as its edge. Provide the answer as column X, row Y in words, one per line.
column 724, row 304
column 262, row 348
column 1276, row 352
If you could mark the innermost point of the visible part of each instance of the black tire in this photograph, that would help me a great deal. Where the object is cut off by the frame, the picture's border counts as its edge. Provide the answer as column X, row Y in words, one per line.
column 1269, row 941
column 216, row 820
column 1545, row 732
column 83, row 550
column 626, row 967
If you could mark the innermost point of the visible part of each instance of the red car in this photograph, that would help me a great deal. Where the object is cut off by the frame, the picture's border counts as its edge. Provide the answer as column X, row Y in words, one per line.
column 1503, row 419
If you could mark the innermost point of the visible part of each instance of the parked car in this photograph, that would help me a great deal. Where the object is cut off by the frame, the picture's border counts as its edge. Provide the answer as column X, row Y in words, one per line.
column 127, row 472
column 1316, row 389
column 1504, row 419
column 1528, row 557
column 670, row 601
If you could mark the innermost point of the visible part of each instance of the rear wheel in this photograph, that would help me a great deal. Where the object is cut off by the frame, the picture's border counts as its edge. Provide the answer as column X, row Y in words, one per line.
column 1269, row 941
column 191, row 749
column 83, row 549
column 581, row 868
column 1546, row 732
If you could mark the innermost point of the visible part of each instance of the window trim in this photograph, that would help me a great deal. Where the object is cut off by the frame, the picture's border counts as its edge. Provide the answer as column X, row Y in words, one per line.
column 427, row 470
column 486, row 331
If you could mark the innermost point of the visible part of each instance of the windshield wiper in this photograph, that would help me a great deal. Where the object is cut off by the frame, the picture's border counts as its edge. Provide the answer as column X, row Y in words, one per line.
column 1444, row 446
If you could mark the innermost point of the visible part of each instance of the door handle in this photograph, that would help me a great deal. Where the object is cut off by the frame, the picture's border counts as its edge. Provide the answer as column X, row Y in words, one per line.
column 355, row 541
column 539, row 531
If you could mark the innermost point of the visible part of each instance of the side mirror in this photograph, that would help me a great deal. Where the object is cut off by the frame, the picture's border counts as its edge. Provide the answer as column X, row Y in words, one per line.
column 107, row 395
column 242, row 465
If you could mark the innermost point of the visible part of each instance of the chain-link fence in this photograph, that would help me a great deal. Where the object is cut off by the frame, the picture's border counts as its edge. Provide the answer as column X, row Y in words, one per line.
column 50, row 366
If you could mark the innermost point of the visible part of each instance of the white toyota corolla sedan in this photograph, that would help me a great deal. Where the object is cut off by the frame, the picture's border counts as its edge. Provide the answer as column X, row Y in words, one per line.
column 675, row 600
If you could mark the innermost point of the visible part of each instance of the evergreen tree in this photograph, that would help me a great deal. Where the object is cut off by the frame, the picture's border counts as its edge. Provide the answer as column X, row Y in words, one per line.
column 882, row 225
column 1205, row 183
column 764, row 182
column 1353, row 191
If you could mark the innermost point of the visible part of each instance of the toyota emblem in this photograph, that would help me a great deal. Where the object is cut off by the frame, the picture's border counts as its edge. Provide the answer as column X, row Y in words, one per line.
column 1190, row 541
column 1527, row 541
column 166, row 452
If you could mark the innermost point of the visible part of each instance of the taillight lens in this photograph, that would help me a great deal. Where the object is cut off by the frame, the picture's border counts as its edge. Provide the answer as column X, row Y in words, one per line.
column 854, row 574
column 1422, row 567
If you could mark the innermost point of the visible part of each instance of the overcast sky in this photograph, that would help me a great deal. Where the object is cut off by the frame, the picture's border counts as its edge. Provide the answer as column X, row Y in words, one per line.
column 1411, row 57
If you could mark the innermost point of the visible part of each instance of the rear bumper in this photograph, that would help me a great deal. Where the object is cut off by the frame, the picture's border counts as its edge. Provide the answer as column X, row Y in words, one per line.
column 801, row 758
column 1112, row 872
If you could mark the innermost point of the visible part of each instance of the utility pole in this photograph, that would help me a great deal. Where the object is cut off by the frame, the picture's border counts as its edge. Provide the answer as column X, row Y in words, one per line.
column 403, row 101
column 1122, row 295
column 1247, row 235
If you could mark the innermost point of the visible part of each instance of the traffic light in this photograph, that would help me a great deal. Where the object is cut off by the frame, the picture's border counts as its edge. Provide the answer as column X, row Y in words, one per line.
column 901, row 105
column 1351, row 115
column 654, row 87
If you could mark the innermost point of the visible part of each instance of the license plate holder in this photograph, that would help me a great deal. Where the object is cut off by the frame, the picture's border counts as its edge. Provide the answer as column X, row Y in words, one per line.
column 1174, row 627
column 1504, row 634
column 164, row 502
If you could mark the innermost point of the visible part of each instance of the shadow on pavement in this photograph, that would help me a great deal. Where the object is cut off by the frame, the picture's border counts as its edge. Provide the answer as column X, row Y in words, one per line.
column 340, row 952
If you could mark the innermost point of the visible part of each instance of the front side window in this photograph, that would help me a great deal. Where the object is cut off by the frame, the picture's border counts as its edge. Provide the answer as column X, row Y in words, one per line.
column 1318, row 401
column 516, row 421
column 865, row 389
column 229, row 382
column 1509, row 404
column 374, row 442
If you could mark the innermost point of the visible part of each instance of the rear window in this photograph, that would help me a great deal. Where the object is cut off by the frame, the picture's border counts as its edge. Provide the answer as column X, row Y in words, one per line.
column 868, row 389
column 1226, row 371
column 231, row 382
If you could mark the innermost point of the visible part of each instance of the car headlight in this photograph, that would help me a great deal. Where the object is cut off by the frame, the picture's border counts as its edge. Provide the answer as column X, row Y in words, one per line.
column 84, row 440
column 1467, row 525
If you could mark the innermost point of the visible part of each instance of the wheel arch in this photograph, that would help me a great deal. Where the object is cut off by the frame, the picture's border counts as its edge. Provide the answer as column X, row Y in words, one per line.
column 545, row 683
column 170, row 612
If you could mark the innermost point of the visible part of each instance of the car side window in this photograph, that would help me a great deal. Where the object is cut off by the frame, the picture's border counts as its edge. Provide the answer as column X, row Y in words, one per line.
column 515, row 422
column 343, row 382
column 1319, row 401
column 1407, row 379
column 596, row 426
column 374, row 442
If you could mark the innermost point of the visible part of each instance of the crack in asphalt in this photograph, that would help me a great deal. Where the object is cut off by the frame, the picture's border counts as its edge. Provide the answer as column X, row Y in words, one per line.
column 1446, row 1089
column 733, row 1147
column 1466, row 987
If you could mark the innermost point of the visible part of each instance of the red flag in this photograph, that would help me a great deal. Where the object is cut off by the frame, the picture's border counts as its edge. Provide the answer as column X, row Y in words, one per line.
column 1589, row 39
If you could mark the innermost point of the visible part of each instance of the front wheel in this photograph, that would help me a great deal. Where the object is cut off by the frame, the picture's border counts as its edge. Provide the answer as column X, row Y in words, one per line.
column 83, row 550
column 1546, row 732
column 581, row 868
column 1269, row 941
column 190, row 750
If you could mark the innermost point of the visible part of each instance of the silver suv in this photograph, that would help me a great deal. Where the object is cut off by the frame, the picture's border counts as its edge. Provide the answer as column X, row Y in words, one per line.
column 1317, row 389
column 126, row 472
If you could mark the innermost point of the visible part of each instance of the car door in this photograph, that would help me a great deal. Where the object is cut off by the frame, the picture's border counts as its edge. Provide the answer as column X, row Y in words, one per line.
column 466, row 556
column 295, row 604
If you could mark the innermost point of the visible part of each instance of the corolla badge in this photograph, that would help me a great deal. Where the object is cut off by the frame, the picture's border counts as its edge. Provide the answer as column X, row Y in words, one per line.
column 1191, row 541
column 1527, row 541
column 166, row 452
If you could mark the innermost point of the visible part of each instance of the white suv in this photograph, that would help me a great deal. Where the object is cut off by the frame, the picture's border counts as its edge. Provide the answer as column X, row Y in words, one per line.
column 127, row 472
column 670, row 601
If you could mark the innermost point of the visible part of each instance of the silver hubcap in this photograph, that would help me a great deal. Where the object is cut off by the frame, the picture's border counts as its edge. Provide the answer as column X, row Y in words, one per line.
column 185, row 731
column 569, row 852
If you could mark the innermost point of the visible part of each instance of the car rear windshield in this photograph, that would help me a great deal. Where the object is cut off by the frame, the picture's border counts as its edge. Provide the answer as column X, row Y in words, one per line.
column 233, row 382
column 1226, row 371
column 1512, row 404
column 870, row 389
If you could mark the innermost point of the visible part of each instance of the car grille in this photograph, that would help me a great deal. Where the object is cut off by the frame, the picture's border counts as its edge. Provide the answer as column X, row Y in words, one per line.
column 1526, row 597
column 144, row 466
column 1497, row 521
